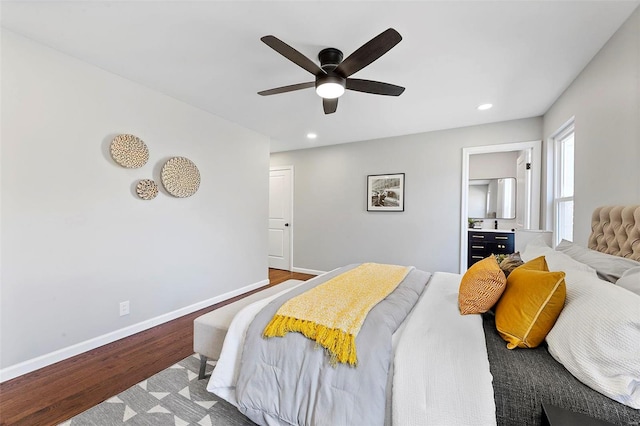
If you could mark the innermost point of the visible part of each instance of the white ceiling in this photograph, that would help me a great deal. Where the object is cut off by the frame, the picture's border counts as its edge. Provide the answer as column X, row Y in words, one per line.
column 518, row 55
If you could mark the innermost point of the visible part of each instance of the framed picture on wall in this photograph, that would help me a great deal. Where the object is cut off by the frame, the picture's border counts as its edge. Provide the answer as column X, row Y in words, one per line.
column 385, row 193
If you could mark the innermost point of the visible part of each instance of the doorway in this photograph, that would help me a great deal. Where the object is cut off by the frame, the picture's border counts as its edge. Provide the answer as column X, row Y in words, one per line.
column 529, row 161
column 280, row 217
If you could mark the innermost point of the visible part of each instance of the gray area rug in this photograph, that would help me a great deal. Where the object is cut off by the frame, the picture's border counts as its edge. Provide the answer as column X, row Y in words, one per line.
column 173, row 397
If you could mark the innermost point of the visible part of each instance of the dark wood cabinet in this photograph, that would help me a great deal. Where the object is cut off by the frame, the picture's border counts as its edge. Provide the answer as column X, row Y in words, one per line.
column 484, row 243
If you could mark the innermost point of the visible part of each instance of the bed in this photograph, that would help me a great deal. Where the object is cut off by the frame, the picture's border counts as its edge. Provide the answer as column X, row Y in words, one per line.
column 433, row 365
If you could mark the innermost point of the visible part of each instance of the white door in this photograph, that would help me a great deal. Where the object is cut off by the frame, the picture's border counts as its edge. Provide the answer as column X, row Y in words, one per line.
column 280, row 206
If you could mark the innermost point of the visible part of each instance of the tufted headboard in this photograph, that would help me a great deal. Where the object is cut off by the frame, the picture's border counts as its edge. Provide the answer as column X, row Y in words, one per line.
column 616, row 230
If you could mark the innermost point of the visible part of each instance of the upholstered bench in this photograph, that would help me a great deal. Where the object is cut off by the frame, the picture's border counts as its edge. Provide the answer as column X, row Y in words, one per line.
column 210, row 329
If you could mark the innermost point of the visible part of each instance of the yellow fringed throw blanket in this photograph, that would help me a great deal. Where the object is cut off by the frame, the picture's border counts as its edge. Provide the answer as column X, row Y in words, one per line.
column 332, row 313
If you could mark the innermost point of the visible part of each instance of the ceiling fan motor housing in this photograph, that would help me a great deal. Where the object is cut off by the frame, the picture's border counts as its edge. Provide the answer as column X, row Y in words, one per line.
column 333, row 84
column 330, row 58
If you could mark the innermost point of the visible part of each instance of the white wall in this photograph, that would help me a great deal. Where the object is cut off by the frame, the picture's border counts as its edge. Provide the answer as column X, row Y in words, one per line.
column 331, row 226
column 605, row 100
column 75, row 239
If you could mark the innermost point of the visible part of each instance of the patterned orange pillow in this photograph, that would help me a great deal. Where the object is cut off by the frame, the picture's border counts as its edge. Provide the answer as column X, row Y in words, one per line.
column 481, row 287
column 530, row 304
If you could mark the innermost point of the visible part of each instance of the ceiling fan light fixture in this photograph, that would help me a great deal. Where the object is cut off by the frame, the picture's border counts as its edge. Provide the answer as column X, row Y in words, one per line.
column 330, row 86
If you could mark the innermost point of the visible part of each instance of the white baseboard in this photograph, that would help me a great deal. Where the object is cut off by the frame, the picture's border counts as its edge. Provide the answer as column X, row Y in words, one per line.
column 33, row 364
column 307, row 271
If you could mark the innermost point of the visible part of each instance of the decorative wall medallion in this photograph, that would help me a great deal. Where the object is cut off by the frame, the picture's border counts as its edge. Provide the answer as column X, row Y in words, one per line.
column 129, row 151
column 147, row 189
column 180, row 177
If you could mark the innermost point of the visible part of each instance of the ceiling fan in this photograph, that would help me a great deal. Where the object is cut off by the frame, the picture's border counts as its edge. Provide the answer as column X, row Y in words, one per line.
column 333, row 74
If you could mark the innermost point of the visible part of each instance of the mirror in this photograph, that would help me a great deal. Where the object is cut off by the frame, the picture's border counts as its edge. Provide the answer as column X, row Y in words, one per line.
column 492, row 198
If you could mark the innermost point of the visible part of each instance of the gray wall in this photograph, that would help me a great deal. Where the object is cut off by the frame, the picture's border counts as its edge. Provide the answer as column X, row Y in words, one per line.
column 331, row 225
column 605, row 100
column 493, row 165
column 75, row 238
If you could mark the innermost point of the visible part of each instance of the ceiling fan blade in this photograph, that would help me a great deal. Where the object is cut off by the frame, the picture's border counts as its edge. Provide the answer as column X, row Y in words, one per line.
column 369, row 52
column 375, row 87
column 330, row 105
column 292, row 54
column 289, row 88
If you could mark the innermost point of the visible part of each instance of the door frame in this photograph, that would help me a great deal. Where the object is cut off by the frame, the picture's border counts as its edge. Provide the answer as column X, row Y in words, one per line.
column 291, row 220
column 536, row 159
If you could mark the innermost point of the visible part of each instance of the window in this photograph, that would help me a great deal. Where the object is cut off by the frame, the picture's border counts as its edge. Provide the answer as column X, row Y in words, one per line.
column 563, row 183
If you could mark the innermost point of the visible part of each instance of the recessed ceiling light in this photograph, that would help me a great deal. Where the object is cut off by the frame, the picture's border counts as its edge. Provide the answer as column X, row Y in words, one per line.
column 484, row 107
column 311, row 136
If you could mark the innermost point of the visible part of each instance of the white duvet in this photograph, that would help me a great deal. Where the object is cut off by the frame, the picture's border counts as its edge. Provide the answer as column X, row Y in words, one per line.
column 440, row 373
column 441, row 367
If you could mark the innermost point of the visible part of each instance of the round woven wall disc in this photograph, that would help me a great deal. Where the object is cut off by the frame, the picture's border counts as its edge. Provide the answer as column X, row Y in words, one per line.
column 147, row 189
column 129, row 151
column 180, row 177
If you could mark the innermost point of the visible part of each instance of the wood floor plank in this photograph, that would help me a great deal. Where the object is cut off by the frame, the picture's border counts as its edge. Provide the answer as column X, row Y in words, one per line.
column 56, row 393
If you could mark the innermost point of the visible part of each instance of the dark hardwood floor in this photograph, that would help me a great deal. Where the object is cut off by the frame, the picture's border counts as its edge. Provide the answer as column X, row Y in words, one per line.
column 58, row 392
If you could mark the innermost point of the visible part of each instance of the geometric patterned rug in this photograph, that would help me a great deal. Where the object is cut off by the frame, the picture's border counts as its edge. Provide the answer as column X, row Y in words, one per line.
column 173, row 397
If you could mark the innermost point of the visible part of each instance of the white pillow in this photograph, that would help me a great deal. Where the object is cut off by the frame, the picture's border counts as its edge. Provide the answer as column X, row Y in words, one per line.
column 535, row 248
column 630, row 280
column 607, row 266
column 597, row 337
column 556, row 261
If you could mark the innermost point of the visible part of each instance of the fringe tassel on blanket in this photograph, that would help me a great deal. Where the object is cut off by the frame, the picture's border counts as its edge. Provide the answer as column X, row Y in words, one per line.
column 340, row 344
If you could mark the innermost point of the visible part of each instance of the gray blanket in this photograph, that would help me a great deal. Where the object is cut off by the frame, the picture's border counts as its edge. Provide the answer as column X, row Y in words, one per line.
column 524, row 379
column 289, row 381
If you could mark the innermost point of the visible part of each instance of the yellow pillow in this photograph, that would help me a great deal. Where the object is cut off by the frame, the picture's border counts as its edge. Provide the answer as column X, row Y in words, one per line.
column 481, row 286
column 530, row 304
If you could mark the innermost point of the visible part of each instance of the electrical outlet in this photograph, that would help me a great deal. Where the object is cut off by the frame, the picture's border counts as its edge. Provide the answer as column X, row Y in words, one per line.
column 124, row 308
